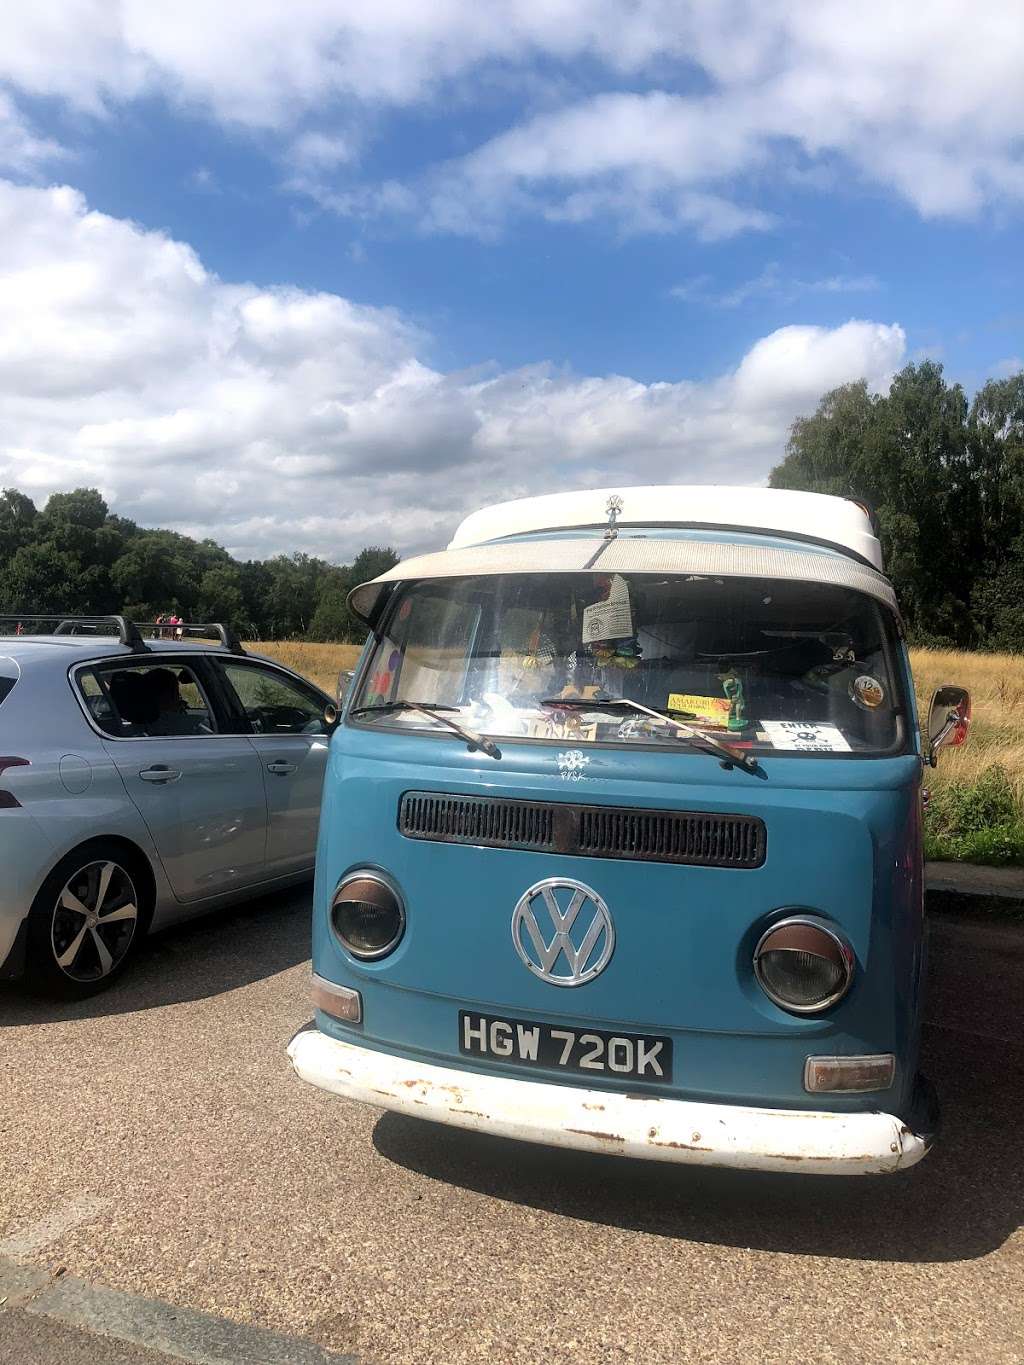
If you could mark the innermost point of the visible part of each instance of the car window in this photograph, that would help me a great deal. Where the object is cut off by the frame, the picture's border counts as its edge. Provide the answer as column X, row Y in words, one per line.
column 165, row 699
column 273, row 703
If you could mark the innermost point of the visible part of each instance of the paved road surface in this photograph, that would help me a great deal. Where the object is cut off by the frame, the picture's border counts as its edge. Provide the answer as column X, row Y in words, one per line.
column 156, row 1141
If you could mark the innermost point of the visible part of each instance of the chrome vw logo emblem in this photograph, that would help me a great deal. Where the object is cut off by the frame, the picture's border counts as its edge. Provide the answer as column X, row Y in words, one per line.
column 563, row 932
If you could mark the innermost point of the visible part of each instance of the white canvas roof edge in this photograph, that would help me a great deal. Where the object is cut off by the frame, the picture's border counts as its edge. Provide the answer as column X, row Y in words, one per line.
column 630, row 554
column 816, row 517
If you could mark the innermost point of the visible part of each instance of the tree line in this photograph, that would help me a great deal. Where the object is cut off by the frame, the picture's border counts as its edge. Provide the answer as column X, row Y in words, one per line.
column 76, row 557
column 944, row 478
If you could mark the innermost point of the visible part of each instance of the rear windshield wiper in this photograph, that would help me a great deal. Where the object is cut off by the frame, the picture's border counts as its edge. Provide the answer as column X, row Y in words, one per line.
column 706, row 742
column 436, row 711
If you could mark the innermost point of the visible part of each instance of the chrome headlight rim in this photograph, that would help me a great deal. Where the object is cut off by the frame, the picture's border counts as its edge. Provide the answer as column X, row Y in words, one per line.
column 368, row 874
column 845, row 953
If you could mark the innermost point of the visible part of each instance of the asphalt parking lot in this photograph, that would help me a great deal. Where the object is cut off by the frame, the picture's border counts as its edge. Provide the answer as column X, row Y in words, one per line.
column 155, row 1141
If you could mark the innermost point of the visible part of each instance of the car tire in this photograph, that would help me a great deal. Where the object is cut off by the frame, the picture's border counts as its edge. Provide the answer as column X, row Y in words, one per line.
column 87, row 921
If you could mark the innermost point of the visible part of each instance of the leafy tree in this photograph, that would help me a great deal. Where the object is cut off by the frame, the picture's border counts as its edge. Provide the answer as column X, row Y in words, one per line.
column 911, row 457
column 42, row 579
column 331, row 618
column 158, row 570
column 371, row 562
column 995, row 437
column 17, row 519
column 84, row 508
column 76, row 557
column 220, row 594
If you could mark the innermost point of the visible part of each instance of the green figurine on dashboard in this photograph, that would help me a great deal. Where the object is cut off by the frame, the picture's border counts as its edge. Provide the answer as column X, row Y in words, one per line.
column 733, row 689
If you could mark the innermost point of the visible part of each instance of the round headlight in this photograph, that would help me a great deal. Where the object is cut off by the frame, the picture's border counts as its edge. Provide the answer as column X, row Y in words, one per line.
column 802, row 965
column 367, row 915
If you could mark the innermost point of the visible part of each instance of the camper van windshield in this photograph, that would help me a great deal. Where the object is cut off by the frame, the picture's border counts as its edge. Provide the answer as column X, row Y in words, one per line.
column 769, row 666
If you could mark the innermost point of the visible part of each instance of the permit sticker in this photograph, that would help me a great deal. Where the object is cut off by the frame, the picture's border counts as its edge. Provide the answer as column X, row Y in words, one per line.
column 701, row 708
column 867, row 692
column 612, row 618
column 797, row 734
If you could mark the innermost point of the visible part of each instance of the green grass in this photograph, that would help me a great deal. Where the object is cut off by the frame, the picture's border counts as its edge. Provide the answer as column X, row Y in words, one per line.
column 977, row 821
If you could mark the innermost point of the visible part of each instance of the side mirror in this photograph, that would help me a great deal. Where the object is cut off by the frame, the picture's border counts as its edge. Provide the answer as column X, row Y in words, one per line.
column 949, row 719
column 331, row 714
column 344, row 683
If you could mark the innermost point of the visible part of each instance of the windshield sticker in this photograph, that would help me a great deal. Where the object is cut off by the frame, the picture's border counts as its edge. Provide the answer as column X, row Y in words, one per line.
column 807, row 738
column 572, row 765
column 867, row 692
column 692, row 707
column 380, row 687
column 612, row 618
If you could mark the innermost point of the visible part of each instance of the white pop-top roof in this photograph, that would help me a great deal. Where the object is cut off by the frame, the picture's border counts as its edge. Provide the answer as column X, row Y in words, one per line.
column 808, row 516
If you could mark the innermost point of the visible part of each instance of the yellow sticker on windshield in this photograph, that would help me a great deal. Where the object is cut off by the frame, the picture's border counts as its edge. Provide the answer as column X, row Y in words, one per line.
column 700, row 708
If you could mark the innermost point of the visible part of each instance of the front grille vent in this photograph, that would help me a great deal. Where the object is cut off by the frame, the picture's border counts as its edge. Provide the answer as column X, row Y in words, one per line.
column 698, row 838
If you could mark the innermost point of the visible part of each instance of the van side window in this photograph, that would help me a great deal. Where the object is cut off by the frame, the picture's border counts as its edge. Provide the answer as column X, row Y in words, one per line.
column 146, row 700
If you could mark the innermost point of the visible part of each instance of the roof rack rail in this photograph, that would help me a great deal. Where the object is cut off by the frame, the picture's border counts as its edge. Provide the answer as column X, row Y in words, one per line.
column 126, row 631
column 130, row 632
column 178, row 629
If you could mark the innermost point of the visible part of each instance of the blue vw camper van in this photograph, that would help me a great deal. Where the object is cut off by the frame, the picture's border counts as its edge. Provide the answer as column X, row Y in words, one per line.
column 620, row 847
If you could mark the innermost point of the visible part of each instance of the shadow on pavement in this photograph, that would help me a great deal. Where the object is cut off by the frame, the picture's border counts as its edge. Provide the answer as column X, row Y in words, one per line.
column 962, row 1201
column 200, row 958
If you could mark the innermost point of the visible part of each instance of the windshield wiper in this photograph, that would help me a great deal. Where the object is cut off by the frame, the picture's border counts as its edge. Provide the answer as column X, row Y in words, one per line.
column 436, row 711
column 703, row 741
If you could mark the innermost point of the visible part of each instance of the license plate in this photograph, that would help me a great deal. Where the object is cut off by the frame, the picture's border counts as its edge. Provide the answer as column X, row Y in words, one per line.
column 588, row 1051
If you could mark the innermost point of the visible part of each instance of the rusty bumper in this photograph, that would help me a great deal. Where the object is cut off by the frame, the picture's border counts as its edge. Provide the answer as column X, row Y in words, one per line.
column 804, row 1140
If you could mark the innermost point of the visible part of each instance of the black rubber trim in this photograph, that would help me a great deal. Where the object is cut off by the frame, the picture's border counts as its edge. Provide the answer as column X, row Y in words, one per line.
column 13, row 965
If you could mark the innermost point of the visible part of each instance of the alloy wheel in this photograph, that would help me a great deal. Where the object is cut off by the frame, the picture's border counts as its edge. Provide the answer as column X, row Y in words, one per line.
column 94, row 921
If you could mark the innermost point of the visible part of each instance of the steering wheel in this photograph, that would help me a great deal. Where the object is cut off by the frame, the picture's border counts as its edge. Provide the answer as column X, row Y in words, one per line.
column 270, row 719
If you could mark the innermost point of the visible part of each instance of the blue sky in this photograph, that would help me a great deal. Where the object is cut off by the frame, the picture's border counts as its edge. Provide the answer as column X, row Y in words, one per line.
column 343, row 276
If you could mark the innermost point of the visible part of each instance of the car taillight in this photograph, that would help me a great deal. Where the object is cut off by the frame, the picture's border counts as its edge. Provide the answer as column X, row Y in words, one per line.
column 7, row 799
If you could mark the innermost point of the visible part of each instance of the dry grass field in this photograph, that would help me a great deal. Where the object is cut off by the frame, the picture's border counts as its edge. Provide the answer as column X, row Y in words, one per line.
column 320, row 663
column 977, row 808
column 996, row 684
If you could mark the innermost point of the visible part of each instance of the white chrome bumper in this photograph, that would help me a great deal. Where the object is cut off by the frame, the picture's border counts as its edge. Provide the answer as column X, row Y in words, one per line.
column 804, row 1140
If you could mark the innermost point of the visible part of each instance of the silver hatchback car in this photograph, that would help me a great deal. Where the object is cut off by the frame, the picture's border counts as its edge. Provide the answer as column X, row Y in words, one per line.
column 143, row 781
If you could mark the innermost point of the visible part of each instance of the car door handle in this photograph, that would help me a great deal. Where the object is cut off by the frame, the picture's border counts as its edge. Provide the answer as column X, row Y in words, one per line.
column 160, row 773
column 281, row 767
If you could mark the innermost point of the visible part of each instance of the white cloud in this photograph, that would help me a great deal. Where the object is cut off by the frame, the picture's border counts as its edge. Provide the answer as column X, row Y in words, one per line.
column 262, row 63
column 21, row 150
column 771, row 283
column 925, row 100
column 318, row 152
column 279, row 419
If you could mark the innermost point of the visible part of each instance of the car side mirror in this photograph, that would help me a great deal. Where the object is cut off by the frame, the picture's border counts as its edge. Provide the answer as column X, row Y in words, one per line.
column 344, row 683
column 949, row 719
column 331, row 714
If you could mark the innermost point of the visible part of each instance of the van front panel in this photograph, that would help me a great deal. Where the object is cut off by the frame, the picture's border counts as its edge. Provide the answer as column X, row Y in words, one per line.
column 842, row 840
